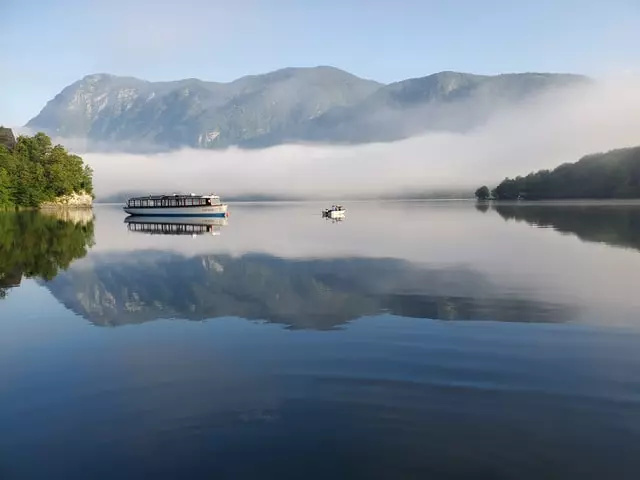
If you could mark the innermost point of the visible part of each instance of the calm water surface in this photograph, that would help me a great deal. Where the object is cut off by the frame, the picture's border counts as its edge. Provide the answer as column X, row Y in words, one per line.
column 412, row 340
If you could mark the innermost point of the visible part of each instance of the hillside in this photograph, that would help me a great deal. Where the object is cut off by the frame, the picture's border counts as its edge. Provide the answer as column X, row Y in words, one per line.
column 615, row 174
column 320, row 104
column 449, row 101
column 195, row 113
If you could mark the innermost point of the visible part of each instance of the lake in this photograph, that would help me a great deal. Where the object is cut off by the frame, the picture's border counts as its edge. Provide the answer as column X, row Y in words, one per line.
column 418, row 339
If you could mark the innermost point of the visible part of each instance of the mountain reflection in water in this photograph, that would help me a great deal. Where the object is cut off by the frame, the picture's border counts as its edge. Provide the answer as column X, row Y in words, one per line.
column 282, row 263
column 319, row 294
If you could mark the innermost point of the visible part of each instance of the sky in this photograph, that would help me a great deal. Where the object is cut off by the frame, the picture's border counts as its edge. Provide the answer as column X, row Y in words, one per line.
column 49, row 44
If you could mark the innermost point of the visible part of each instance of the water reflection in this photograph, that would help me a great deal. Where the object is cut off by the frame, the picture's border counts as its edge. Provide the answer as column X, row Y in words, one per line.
column 617, row 225
column 278, row 263
column 482, row 206
column 175, row 225
column 40, row 244
column 384, row 397
column 312, row 293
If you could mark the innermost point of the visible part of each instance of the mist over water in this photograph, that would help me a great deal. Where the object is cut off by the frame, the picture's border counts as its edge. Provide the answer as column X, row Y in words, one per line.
column 543, row 132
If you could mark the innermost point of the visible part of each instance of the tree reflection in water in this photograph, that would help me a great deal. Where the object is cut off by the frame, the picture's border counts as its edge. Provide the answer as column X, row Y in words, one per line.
column 40, row 244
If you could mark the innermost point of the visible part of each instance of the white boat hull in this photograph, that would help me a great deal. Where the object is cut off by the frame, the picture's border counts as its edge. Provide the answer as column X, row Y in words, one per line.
column 335, row 213
column 199, row 211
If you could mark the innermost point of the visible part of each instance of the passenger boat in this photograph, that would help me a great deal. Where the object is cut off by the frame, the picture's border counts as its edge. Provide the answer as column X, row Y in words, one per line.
column 336, row 211
column 177, row 205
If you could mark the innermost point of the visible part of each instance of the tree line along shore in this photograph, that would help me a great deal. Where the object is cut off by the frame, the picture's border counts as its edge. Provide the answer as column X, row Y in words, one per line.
column 611, row 175
column 34, row 173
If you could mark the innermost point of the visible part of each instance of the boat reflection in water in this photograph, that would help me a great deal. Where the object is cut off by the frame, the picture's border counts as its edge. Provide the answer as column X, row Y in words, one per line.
column 158, row 225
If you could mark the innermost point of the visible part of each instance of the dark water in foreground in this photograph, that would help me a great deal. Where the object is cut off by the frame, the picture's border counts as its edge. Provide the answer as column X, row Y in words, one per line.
column 412, row 340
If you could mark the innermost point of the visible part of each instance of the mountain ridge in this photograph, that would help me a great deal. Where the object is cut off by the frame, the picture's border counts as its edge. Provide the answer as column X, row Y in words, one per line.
column 320, row 104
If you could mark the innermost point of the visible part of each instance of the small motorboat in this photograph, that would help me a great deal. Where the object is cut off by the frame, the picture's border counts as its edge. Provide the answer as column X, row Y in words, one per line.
column 336, row 211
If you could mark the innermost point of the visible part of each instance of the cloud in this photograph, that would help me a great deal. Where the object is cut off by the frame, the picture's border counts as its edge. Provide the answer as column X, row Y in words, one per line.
column 558, row 127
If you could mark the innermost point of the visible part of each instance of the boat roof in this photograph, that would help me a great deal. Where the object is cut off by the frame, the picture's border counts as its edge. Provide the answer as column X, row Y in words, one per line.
column 174, row 195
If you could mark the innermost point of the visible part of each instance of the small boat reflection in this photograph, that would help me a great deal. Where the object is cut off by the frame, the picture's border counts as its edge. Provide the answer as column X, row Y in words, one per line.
column 158, row 225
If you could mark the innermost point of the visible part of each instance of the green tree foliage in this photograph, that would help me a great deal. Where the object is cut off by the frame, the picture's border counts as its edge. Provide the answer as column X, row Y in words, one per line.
column 36, row 171
column 483, row 193
column 615, row 174
column 37, row 245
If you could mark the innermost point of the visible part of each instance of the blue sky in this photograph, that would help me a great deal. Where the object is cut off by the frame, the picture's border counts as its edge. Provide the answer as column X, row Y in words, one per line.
column 53, row 43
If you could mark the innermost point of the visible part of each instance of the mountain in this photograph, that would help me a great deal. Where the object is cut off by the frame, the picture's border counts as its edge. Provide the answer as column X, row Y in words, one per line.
column 194, row 113
column 319, row 104
column 445, row 101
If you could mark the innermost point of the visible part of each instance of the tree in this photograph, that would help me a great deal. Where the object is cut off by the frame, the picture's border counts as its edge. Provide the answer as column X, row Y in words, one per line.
column 483, row 193
column 615, row 174
column 5, row 189
column 35, row 171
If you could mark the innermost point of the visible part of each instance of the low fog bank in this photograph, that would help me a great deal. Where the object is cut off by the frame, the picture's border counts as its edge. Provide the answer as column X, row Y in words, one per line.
column 551, row 129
